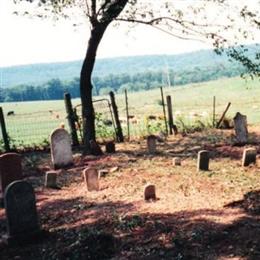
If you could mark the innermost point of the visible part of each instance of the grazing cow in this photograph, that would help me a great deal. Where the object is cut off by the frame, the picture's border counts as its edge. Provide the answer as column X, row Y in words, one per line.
column 10, row 113
column 107, row 122
column 151, row 117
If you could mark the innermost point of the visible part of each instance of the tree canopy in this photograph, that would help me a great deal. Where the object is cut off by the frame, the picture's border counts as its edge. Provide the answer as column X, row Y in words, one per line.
column 224, row 23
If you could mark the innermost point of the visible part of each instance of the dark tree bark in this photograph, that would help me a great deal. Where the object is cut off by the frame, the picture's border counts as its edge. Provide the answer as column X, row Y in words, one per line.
column 86, row 86
column 110, row 10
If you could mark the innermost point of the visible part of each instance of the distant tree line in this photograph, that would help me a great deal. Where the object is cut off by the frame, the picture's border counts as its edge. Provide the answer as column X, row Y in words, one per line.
column 55, row 88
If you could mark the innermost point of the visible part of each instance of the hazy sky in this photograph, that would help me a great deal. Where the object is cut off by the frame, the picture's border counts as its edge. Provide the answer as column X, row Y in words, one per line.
column 25, row 40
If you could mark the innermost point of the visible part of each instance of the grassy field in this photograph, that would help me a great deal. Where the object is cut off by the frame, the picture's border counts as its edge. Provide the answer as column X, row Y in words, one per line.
column 33, row 121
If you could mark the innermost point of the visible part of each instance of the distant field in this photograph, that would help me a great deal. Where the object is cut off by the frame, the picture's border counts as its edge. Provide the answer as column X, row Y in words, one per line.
column 33, row 121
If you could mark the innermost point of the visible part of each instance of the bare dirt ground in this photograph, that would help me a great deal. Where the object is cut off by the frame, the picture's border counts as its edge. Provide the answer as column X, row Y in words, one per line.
column 197, row 215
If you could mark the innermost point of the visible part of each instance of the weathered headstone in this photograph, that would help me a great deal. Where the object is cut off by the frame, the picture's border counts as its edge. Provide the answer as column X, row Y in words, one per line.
column 176, row 161
column 21, row 213
column 151, row 143
column 110, row 147
column 91, row 178
column 10, row 170
column 95, row 148
column 149, row 192
column 249, row 156
column 61, row 153
column 240, row 124
column 203, row 161
column 51, row 179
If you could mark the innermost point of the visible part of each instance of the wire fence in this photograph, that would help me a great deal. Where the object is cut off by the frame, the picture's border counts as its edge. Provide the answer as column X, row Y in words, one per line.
column 146, row 117
column 33, row 129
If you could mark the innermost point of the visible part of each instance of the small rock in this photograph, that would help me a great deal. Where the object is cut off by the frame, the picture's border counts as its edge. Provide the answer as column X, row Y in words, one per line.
column 176, row 161
column 114, row 169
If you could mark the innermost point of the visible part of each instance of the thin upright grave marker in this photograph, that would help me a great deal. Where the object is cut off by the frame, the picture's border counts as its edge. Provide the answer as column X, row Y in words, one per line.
column 21, row 213
column 151, row 143
column 203, row 161
column 249, row 156
column 10, row 170
column 61, row 153
column 240, row 124
column 51, row 180
column 91, row 178
column 110, row 147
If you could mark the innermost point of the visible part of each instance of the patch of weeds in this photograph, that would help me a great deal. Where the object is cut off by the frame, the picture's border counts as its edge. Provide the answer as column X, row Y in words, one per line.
column 128, row 222
column 31, row 162
column 89, row 244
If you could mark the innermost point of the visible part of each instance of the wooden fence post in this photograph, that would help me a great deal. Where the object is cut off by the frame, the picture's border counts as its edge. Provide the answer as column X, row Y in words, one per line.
column 71, row 119
column 214, row 112
column 119, row 132
column 172, row 127
column 127, row 114
column 223, row 115
column 4, row 132
column 164, row 113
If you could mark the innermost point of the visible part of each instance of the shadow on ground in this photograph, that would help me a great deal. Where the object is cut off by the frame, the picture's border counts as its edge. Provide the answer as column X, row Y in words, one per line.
column 115, row 230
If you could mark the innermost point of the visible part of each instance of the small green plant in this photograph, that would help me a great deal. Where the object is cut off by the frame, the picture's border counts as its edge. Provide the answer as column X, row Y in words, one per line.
column 102, row 129
column 190, row 126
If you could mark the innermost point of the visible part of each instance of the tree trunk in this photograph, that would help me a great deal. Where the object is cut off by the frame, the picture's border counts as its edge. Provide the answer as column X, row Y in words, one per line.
column 88, row 116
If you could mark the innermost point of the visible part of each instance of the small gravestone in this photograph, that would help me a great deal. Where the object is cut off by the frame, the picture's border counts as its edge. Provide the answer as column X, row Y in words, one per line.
column 95, row 148
column 51, row 179
column 103, row 173
column 151, row 143
column 240, row 124
column 203, row 161
column 176, row 161
column 149, row 192
column 21, row 213
column 91, row 178
column 10, row 170
column 110, row 147
column 61, row 153
column 249, row 156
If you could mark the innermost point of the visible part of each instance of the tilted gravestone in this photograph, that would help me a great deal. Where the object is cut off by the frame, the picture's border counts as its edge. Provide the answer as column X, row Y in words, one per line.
column 21, row 213
column 240, row 124
column 149, row 192
column 10, row 170
column 91, row 178
column 61, row 153
column 151, row 143
column 110, row 147
column 249, row 156
column 203, row 161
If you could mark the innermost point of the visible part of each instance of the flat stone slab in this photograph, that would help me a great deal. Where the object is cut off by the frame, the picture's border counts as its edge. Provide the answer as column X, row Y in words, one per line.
column 21, row 213
column 249, row 156
column 151, row 144
column 61, row 153
column 203, row 161
column 51, row 180
column 10, row 170
column 91, row 178
column 149, row 192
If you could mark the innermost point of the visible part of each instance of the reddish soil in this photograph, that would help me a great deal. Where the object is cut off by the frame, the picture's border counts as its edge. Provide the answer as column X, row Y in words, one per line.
column 197, row 215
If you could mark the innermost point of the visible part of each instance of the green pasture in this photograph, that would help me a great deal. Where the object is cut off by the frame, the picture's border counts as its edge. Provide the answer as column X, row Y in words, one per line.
column 34, row 121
